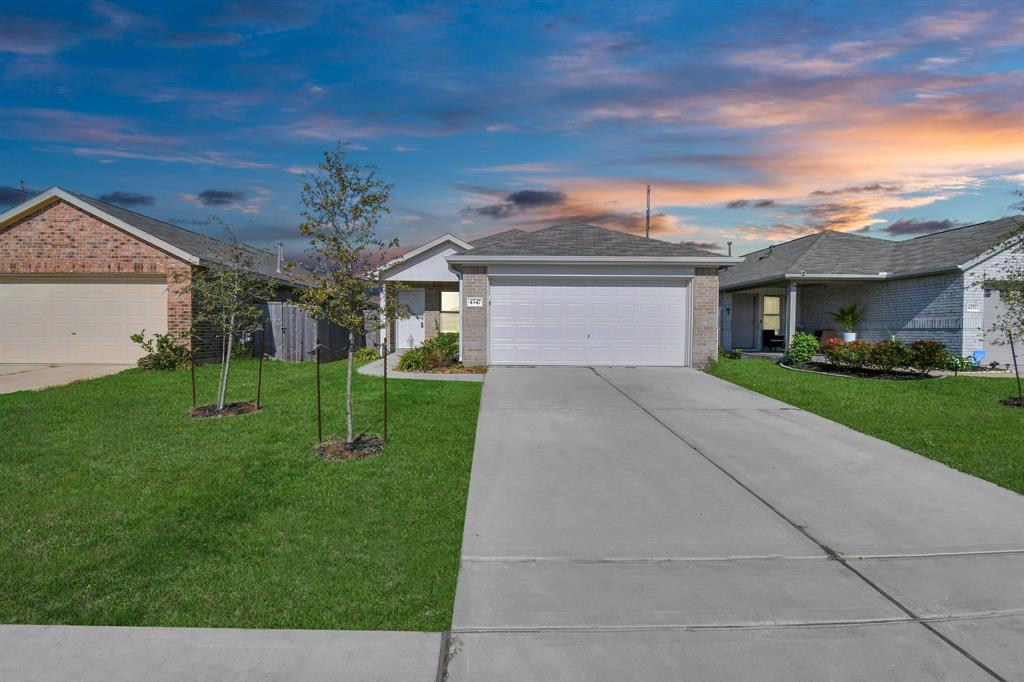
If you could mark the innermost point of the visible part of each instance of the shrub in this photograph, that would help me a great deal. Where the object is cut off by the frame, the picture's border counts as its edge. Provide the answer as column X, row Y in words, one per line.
column 803, row 348
column 887, row 355
column 366, row 354
column 413, row 360
column 162, row 353
column 242, row 351
column 926, row 355
column 832, row 349
column 440, row 351
column 958, row 364
column 855, row 354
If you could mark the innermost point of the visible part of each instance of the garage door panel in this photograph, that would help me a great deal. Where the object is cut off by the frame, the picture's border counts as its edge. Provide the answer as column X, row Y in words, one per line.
column 57, row 319
column 588, row 322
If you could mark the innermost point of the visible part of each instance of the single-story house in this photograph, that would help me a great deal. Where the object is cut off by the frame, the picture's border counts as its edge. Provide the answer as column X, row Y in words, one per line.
column 942, row 286
column 79, row 276
column 569, row 294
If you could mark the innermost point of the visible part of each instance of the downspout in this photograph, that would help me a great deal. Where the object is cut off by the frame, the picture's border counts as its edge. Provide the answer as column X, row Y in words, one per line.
column 462, row 330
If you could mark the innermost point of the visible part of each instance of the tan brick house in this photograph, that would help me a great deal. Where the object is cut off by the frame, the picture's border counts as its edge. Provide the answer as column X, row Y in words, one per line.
column 569, row 294
column 78, row 276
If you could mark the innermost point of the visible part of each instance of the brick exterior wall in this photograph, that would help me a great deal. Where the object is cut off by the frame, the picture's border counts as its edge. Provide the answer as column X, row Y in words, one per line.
column 974, row 295
column 911, row 309
column 60, row 239
column 474, row 320
column 705, row 317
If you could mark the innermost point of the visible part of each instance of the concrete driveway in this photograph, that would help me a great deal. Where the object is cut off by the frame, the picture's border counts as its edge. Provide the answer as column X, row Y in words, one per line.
column 25, row 377
column 660, row 524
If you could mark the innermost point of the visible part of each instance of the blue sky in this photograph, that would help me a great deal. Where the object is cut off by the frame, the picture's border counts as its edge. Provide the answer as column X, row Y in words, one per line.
column 753, row 122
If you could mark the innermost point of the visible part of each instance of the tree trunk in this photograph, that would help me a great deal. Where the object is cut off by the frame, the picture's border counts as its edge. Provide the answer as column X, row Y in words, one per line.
column 227, row 369
column 348, row 390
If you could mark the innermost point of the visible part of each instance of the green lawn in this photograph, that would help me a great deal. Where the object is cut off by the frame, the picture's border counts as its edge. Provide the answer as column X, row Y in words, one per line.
column 957, row 421
column 117, row 509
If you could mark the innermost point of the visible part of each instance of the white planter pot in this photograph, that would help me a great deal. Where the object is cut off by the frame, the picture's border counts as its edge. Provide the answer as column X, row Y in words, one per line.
column 849, row 336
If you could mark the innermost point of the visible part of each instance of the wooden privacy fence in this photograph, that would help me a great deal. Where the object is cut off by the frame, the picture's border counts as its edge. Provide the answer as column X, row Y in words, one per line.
column 292, row 335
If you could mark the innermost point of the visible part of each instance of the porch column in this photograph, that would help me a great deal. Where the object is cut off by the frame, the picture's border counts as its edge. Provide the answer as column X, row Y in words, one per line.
column 790, row 314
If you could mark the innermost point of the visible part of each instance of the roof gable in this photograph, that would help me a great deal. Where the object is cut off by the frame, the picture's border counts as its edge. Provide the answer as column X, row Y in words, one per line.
column 187, row 245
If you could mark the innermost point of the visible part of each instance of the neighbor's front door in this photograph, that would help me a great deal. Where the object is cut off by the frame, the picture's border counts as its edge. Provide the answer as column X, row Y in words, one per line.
column 409, row 332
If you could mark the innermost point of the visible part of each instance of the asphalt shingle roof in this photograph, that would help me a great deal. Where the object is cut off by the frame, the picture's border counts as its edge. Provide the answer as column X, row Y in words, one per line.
column 840, row 253
column 199, row 245
column 578, row 239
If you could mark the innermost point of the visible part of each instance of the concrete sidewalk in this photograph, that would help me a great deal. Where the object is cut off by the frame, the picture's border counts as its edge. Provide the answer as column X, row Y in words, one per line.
column 656, row 524
column 58, row 653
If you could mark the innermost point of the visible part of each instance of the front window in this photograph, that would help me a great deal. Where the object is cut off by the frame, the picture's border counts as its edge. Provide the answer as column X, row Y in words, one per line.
column 449, row 311
column 771, row 314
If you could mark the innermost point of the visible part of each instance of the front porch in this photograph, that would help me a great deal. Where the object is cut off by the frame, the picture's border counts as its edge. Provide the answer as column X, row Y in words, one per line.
column 434, row 308
column 764, row 319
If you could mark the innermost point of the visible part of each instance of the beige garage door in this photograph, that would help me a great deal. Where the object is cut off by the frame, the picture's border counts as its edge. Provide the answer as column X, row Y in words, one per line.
column 51, row 319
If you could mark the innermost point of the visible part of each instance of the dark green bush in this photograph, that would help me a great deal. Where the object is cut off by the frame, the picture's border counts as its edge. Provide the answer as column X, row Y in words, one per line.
column 242, row 351
column 439, row 351
column 804, row 347
column 367, row 354
column 413, row 360
column 856, row 354
column 926, row 355
column 887, row 355
column 162, row 352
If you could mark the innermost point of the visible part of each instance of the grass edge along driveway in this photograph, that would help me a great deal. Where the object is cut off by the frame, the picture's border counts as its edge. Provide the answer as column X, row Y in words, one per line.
column 957, row 420
column 120, row 510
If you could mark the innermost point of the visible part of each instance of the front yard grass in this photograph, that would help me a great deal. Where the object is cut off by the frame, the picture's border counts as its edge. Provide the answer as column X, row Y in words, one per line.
column 117, row 509
column 957, row 420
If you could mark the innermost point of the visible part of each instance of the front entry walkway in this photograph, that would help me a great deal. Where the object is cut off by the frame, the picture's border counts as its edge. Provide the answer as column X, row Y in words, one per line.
column 661, row 524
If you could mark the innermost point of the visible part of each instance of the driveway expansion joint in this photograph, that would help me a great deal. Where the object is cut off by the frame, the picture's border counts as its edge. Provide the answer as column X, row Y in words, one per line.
column 803, row 530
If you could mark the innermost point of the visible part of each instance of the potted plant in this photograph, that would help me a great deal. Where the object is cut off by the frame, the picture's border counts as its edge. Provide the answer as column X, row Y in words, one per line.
column 849, row 317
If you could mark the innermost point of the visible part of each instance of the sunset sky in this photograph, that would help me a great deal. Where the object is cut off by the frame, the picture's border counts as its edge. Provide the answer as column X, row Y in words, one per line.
column 753, row 122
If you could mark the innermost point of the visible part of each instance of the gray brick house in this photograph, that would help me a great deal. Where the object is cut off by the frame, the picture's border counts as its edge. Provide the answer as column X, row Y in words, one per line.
column 941, row 286
column 569, row 294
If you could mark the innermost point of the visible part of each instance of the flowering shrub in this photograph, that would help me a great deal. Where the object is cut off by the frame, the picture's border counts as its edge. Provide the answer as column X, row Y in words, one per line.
column 886, row 355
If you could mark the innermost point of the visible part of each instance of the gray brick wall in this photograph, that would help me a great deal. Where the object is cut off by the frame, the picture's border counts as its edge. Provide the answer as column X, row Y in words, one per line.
column 974, row 296
column 474, row 320
column 910, row 309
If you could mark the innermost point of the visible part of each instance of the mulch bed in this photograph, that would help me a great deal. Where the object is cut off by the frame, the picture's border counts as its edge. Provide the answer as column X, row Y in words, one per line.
column 337, row 450
column 1013, row 402
column 206, row 411
column 861, row 373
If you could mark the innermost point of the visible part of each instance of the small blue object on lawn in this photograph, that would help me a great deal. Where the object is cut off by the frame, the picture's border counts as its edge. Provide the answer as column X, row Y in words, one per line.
column 978, row 356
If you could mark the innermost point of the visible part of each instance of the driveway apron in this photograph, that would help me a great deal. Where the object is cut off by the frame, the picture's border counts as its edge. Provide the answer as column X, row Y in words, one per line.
column 661, row 524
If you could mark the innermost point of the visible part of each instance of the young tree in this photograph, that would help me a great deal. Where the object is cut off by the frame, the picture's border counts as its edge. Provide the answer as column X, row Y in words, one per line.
column 343, row 203
column 227, row 295
column 1010, row 322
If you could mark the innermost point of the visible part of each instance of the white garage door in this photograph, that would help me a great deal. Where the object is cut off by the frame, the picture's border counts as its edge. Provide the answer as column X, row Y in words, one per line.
column 49, row 319
column 588, row 322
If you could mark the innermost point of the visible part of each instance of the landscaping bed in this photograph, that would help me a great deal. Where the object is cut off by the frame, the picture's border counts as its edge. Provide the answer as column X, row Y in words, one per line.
column 958, row 421
column 119, row 509
column 859, row 372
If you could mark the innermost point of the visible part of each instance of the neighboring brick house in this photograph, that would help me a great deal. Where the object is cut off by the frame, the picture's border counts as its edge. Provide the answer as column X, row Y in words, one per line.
column 78, row 276
column 939, row 286
column 569, row 294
